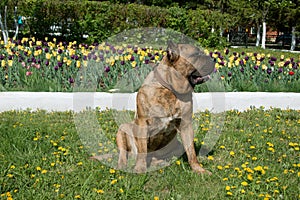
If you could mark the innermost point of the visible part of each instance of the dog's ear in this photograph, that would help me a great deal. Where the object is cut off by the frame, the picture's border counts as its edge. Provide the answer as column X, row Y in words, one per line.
column 172, row 51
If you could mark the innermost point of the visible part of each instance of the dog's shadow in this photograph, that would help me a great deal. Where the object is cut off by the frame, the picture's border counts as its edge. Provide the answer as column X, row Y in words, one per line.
column 204, row 152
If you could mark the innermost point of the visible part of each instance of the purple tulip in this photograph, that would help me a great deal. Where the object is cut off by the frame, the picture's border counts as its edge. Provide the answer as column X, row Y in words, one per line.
column 255, row 54
column 120, row 51
column 84, row 58
column 247, row 58
column 132, row 58
column 146, row 61
column 280, row 70
column 287, row 63
column 46, row 50
column 271, row 63
column 47, row 62
column 229, row 74
column 107, row 69
column 59, row 64
column 71, row 80
column 273, row 58
column 227, row 51
column 59, row 51
column 122, row 62
column 56, row 68
column 269, row 71
column 243, row 53
column 2, row 57
column 33, row 60
column 242, row 62
column 222, row 63
column 242, row 70
column 295, row 66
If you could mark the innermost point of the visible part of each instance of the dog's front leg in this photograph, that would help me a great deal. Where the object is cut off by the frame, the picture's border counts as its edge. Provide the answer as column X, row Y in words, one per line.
column 140, row 133
column 187, row 137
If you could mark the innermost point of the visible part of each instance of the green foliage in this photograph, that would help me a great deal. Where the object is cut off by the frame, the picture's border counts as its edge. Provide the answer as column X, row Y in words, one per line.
column 99, row 20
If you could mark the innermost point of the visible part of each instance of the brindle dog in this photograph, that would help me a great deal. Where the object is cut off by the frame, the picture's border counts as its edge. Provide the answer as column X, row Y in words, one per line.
column 164, row 108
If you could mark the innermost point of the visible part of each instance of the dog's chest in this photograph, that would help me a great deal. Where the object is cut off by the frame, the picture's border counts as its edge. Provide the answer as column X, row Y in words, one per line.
column 164, row 126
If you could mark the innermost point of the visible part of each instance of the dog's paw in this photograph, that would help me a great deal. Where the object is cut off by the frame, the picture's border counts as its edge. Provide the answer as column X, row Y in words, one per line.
column 140, row 169
column 199, row 170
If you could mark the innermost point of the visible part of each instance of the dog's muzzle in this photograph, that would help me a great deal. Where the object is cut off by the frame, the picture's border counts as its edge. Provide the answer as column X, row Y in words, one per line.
column 196, row 78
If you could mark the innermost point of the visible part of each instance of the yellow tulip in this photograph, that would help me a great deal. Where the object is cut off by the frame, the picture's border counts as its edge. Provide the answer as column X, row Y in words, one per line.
column 3, row 63
column 10, row 63
column 48, row 56
column 133, row 64
column 78, row 63
column 69, row 62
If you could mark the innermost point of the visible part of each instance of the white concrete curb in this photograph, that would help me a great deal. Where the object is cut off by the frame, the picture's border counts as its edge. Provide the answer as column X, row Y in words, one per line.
column 216, row 102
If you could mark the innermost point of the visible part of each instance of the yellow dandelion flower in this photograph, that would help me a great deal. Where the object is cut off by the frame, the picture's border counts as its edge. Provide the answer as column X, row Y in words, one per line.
column 121, row 190
column 112, row 171
column 38, row 168
column 156, row 198
column 210, row 158
column 100, row 191
column 178, row 162
column 219, row 167
column 113, row 181
column 10, row 175
column 227, row 188
column 77, row 197
column 249, row 177
column 231, row 153
column 229, row 193
column 44, row 171
column 79, row 163
column 244, row 183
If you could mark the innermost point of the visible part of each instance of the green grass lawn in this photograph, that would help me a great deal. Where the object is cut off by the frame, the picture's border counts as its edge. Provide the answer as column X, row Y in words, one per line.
column 256, row 157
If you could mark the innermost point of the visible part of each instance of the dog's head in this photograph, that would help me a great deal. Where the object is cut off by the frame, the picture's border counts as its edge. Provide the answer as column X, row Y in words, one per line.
column 190, row 62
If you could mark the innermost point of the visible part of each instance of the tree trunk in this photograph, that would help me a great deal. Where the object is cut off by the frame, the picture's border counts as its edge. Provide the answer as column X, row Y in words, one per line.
column 5, row 37
column 293, row 44
column 264, row 33
column 258, row 36
column 16, row 23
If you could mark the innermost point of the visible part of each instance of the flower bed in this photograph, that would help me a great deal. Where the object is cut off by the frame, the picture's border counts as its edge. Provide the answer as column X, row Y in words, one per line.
column 35, row 65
